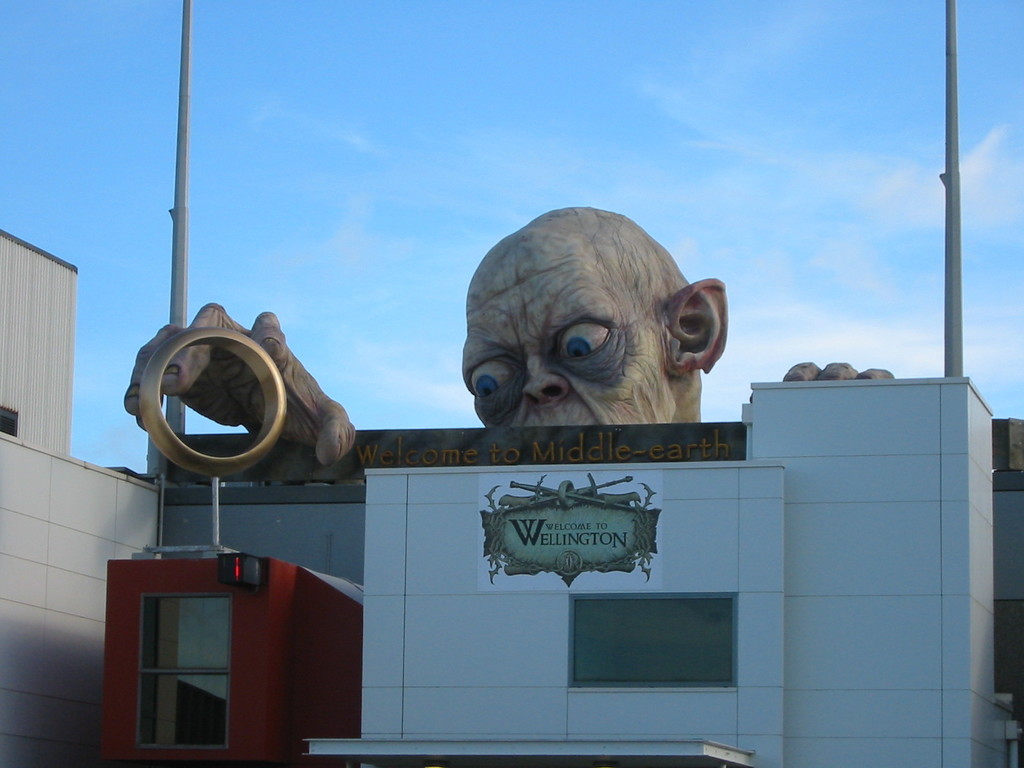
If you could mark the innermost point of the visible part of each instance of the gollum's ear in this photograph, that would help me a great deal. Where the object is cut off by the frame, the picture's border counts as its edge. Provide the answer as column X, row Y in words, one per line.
column 697, row 319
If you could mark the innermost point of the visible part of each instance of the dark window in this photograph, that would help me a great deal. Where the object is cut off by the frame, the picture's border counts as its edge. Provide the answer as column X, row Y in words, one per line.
column 9, row 421
column 657, row 640
column 184, row 680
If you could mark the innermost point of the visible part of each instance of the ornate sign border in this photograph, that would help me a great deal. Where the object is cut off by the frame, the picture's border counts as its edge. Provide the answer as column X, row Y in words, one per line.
column 584, row 529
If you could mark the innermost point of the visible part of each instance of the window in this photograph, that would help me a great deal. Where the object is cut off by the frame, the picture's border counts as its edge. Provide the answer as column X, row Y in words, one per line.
column 666, row 640
column 184, row 675
column 9, row 421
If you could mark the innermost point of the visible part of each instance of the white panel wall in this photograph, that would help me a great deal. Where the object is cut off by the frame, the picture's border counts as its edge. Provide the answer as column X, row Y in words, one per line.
column 445, row 658
column 858, row 538
column 60, row 521
column 889, row 570
column 37, row 342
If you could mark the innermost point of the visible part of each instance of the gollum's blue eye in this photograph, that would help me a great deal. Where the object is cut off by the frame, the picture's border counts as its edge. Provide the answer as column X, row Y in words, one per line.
column 582, row 339
column 485, row 385
column 577, row 346
column 487, row 378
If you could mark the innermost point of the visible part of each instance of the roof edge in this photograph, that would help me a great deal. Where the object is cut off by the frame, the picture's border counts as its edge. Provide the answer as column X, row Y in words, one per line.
column 38, row 250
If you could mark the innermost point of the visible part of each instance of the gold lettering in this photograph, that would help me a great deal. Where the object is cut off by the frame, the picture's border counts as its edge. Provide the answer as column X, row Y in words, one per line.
column 387, row 458
column 721, row 449
column 623, row 452
column 575, row 455
column 470, row 456
column 599, row 448
column 367, row 453
column 543, row 455
column 450, row 456
column 675, row 452
column 657, row 452
column 410, row 457
column 429, row 457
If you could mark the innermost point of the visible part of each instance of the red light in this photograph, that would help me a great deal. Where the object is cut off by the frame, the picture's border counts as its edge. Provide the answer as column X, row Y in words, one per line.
column 239, row 569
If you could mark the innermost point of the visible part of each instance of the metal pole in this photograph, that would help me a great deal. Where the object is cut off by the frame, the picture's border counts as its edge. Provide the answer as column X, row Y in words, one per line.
column 175, row 409
column 179, row 214
column 951, row 180
column 215, row 509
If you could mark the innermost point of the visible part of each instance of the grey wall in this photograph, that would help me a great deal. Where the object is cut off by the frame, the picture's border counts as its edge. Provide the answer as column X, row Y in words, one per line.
column 319, row 527
column 1008, row 513
column 1008, row 516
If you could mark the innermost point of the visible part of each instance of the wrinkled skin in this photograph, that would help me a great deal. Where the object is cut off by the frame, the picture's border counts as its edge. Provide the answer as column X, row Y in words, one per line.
column 582, row 318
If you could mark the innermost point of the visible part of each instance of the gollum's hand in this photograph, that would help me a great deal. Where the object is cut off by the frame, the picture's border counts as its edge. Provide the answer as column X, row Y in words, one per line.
column 222, row 388
column 833, row 372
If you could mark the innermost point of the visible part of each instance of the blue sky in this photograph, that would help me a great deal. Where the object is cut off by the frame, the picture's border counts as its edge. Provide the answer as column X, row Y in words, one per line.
column 352, row 161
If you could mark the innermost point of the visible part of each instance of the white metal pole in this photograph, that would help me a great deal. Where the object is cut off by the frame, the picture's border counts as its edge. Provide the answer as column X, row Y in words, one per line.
column 951, row 180
column 215, row 511
column 175, row 409
column 179, row 214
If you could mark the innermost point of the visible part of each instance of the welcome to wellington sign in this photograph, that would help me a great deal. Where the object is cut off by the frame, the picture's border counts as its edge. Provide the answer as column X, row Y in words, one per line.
column 569, row 530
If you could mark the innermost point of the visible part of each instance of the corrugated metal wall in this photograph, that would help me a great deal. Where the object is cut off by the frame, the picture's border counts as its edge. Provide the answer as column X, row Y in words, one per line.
column 37, row 342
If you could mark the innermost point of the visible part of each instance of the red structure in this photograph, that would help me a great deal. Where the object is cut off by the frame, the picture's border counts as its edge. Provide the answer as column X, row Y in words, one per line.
column 204, row 671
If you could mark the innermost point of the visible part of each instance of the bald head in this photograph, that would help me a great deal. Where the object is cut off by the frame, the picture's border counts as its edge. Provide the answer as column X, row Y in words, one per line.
column 582, row 318
column 594, row 240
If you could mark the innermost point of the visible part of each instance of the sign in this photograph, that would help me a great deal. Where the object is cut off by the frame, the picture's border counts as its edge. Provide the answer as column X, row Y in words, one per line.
column 494, row 447
column 568, row 528
column 553, row 445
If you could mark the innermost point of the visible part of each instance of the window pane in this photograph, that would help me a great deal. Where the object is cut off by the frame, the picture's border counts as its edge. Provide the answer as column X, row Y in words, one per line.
column 9, row 421
column 183, row 709
column 182, row 704
column 637, row 641
column 185, row 633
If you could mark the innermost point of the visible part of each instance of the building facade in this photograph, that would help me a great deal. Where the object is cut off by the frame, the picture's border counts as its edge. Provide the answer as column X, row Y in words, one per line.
column 848, row 561
column 61, row 520
column 37, row 344
column 824, row 597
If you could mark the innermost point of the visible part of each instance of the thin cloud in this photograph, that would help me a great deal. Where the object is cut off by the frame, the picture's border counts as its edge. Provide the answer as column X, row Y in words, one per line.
column 993, row 181
column 418, row 384
column 273, row 113
column 909, row 196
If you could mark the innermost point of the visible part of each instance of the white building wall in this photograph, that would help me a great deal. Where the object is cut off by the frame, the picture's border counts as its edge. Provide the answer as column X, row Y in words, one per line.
column 60, row 521
column 445, row 658
column 889, row 570
column 857, row 537
column 37, row 342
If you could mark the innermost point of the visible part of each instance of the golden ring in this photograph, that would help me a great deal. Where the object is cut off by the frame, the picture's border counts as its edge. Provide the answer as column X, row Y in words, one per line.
column 170, row 444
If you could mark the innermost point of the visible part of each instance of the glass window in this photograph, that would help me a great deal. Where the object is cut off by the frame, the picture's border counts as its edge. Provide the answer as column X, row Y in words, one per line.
column 9, row 421
column 653, row 640
column 184, row 680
